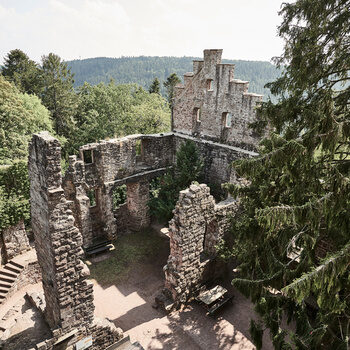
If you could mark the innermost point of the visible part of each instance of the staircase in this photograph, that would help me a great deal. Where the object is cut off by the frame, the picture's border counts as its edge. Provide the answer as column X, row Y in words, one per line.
column 8, row 277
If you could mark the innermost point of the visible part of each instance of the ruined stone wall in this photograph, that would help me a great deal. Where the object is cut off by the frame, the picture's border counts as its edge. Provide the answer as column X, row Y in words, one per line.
column 131, row 160
column 15, row 240
column 58, row 242
column 134, row 161
column 217, row 158
column 196, row 228
column 201, row 103
column 68, row 294
column 200, row 111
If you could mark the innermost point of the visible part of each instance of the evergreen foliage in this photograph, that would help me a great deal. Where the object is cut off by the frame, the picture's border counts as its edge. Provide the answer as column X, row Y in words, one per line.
column 143, row 69
column 23, row 72
column 58, row 95
column 187, row 168
column 292, row 235
column 155, row 87
column 169, row 85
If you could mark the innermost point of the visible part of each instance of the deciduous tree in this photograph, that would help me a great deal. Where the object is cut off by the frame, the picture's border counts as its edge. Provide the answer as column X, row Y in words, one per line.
column 20, row 116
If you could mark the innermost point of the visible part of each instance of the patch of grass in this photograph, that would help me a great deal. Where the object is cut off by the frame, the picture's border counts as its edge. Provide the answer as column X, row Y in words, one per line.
column 129, row 251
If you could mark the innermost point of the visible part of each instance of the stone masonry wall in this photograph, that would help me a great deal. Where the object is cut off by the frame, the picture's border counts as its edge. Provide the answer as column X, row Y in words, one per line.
column 15, row 240
column 113, row 166
column 131, row 160
column 68, row 294
column 208, row 93
column 197, row 226
column 217, row 158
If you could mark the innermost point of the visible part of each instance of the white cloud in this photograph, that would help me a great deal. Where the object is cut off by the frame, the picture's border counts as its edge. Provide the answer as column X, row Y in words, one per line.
column 245, row 29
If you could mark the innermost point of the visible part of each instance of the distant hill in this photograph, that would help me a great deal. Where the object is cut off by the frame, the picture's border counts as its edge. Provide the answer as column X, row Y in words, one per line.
column 142, row 70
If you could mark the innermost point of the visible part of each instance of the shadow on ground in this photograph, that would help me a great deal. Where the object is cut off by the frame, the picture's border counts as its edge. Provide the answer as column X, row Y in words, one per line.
column 128, row 302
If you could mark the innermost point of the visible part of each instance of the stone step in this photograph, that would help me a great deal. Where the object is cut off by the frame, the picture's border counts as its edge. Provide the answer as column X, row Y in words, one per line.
column 7, row 279
column 5, row 285
column 15, row 264
column 4, row 273
column 4, row 290
column 11, row 268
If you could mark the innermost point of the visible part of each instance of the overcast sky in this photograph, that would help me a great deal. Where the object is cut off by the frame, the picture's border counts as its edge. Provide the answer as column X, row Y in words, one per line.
column 73, row 29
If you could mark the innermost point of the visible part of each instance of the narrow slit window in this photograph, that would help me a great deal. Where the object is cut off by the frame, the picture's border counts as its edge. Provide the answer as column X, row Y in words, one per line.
column 210, row 84
column 92, row 196
column 87, row 154
column 197, row 113
column 138, row 147
column 228, row 119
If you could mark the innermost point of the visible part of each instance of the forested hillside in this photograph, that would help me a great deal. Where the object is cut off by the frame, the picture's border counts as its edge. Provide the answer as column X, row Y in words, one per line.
column 142, row 70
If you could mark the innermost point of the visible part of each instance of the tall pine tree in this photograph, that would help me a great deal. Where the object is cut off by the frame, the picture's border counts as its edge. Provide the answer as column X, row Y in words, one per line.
column 155, row 87
column 58, row 94
column 23, row 72
column 292, row 234
column 170, row 84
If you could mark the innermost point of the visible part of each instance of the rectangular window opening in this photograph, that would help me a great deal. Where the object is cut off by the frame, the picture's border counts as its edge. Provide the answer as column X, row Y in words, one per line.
column 138, row 147
column 87, row 155
column 119, row 196
column 210, row 84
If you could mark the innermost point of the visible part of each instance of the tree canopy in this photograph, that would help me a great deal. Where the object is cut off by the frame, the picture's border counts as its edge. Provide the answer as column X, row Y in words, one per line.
column 108, row 111
column 23, row 72
column 143, row 69
column 14, row 194
column 21, row 115
column 58, row 95
column 292, row 234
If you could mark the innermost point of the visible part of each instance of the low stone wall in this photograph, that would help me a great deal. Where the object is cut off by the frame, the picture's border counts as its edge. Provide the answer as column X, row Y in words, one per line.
column 196, row 228
column 15, row 240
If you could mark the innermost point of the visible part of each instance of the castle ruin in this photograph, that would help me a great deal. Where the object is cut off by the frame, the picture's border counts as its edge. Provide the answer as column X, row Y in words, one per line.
column 211, row 108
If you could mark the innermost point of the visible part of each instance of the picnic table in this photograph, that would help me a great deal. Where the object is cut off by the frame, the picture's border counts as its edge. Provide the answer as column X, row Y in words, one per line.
column 214, row 298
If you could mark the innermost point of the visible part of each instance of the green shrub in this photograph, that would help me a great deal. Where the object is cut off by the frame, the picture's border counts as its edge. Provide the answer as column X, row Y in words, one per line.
column 187, row 169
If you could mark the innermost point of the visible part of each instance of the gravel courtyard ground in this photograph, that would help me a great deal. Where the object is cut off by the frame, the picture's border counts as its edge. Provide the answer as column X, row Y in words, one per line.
column 125, row 285
column 129, row 305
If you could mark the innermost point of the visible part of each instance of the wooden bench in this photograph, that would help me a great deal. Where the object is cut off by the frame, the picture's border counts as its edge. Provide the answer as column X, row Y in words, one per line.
column 219, row 304
column 99, row 248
